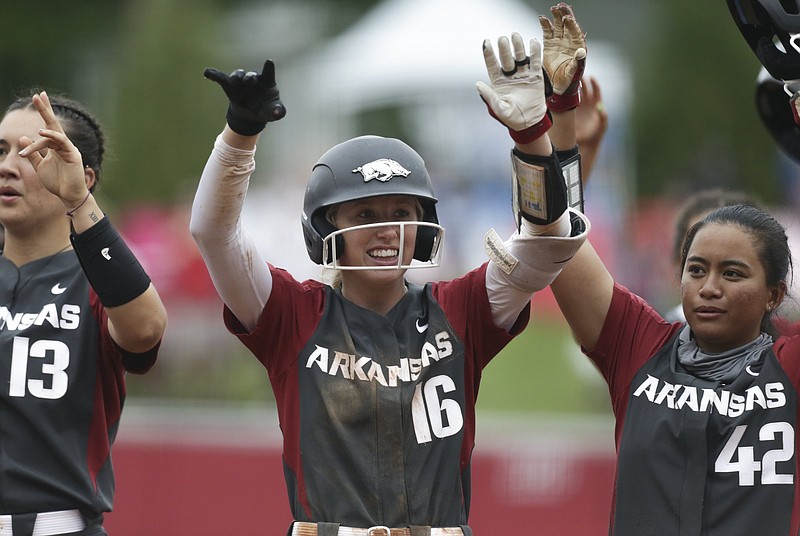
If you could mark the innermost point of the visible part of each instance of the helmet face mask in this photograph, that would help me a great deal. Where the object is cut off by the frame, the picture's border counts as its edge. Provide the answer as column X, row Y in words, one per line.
column 362, row 167
column 333, row 244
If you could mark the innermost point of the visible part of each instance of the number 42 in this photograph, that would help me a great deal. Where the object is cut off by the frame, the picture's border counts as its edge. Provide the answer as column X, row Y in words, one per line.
column 746, row 464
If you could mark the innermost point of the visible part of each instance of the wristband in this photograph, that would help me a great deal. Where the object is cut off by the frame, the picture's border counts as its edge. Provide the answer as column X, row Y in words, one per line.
column 111, row 268
column 539, row 192
column 570, row 160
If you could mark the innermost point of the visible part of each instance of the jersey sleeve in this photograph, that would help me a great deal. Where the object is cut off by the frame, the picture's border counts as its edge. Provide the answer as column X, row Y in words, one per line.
column 286, row 323
column 465, row 303
column 787, row 350
column 632, row 333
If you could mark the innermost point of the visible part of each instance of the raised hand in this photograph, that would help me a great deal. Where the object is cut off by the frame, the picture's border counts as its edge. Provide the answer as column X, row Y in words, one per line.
column 591, row 123
column 518, row 86
column 591, row 118
column 57, row 161
column 253, row 98
column 564, row 57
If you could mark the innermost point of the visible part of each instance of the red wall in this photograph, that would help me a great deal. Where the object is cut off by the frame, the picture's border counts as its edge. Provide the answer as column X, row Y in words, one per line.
column 215, row 481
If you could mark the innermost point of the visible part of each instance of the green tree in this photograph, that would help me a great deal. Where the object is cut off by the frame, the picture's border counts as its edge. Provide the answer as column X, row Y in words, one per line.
column 162, row 128
column 48, row 44
column 695, row 121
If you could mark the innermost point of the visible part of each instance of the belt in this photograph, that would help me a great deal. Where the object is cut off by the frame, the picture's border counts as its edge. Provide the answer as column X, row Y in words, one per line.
column 300, row 528
column 48, row 523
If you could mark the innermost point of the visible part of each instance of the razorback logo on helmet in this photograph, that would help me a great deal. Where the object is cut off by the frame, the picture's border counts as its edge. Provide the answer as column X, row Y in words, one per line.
column 382, row 169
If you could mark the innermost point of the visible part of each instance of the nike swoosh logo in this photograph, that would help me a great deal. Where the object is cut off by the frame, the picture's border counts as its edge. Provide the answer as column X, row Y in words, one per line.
column 422, row 328
column 58, row 289
column 105, row 254
column 750, row 371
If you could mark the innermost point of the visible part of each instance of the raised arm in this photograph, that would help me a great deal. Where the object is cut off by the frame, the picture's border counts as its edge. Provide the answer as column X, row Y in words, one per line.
column 584, row 287
column 534, row 255
column 591, row 123
column 237, row 269
column 136, row 316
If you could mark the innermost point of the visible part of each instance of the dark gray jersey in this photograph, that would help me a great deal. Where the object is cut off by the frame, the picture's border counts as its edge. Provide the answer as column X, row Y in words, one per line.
column 63, row 389
column 378, row 413
column 701, row 451
column 696, row 456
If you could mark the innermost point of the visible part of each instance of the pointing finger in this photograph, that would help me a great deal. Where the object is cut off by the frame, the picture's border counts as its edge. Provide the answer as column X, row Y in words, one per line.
column 42, row 103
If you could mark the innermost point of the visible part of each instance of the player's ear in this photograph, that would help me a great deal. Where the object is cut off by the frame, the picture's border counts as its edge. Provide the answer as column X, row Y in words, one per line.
column 90, row 177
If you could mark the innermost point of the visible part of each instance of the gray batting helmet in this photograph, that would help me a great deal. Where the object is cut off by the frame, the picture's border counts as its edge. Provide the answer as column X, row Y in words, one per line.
column 362, row 167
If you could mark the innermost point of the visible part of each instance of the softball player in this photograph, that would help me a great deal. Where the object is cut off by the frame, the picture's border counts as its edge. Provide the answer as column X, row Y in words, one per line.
column 707, row 410
column 76, row 312
column 375, row 378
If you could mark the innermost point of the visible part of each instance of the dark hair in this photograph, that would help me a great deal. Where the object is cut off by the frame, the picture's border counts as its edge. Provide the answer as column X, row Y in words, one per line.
column 696, row 206
column 769, row 238
column 79, row 124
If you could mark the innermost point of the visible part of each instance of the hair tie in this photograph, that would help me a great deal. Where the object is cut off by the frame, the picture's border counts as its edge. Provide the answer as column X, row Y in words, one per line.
column 71, row 212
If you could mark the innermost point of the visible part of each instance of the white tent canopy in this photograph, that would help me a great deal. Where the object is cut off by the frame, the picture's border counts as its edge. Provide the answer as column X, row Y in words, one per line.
column 423, row 56
column 405, row 47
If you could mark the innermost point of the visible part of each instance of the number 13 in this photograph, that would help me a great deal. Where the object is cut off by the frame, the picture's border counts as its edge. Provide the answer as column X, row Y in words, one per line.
column 20, row 357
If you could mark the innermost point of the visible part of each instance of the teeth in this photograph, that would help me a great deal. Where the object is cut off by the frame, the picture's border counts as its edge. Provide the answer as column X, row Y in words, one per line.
column 384, row 253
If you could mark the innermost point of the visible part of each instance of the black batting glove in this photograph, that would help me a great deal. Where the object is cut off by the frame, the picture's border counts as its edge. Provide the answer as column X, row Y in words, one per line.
column 253, row 98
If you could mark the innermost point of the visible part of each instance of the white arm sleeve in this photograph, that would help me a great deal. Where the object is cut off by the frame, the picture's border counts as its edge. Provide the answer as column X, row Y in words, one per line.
column 527, row 262
column 240, row 275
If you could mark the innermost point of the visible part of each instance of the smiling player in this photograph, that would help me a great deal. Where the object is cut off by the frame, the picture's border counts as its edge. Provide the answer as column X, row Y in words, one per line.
column 376, row 378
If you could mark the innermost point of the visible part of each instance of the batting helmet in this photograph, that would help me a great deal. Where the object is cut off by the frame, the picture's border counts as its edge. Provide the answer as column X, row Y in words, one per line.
column 362, row 167
column 772, row 29
column 775, row 110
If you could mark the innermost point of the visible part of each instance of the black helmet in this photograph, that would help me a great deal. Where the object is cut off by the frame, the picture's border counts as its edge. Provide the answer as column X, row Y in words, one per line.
column 362, row 167
column 775, row 110
column 764, row 23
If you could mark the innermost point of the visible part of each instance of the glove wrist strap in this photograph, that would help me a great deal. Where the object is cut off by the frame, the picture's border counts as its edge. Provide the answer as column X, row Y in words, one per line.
column 533, row 132
column 570, row 100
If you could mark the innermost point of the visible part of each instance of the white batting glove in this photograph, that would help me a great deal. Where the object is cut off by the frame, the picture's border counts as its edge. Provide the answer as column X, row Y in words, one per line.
column 516, row 96
column 564, row 57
